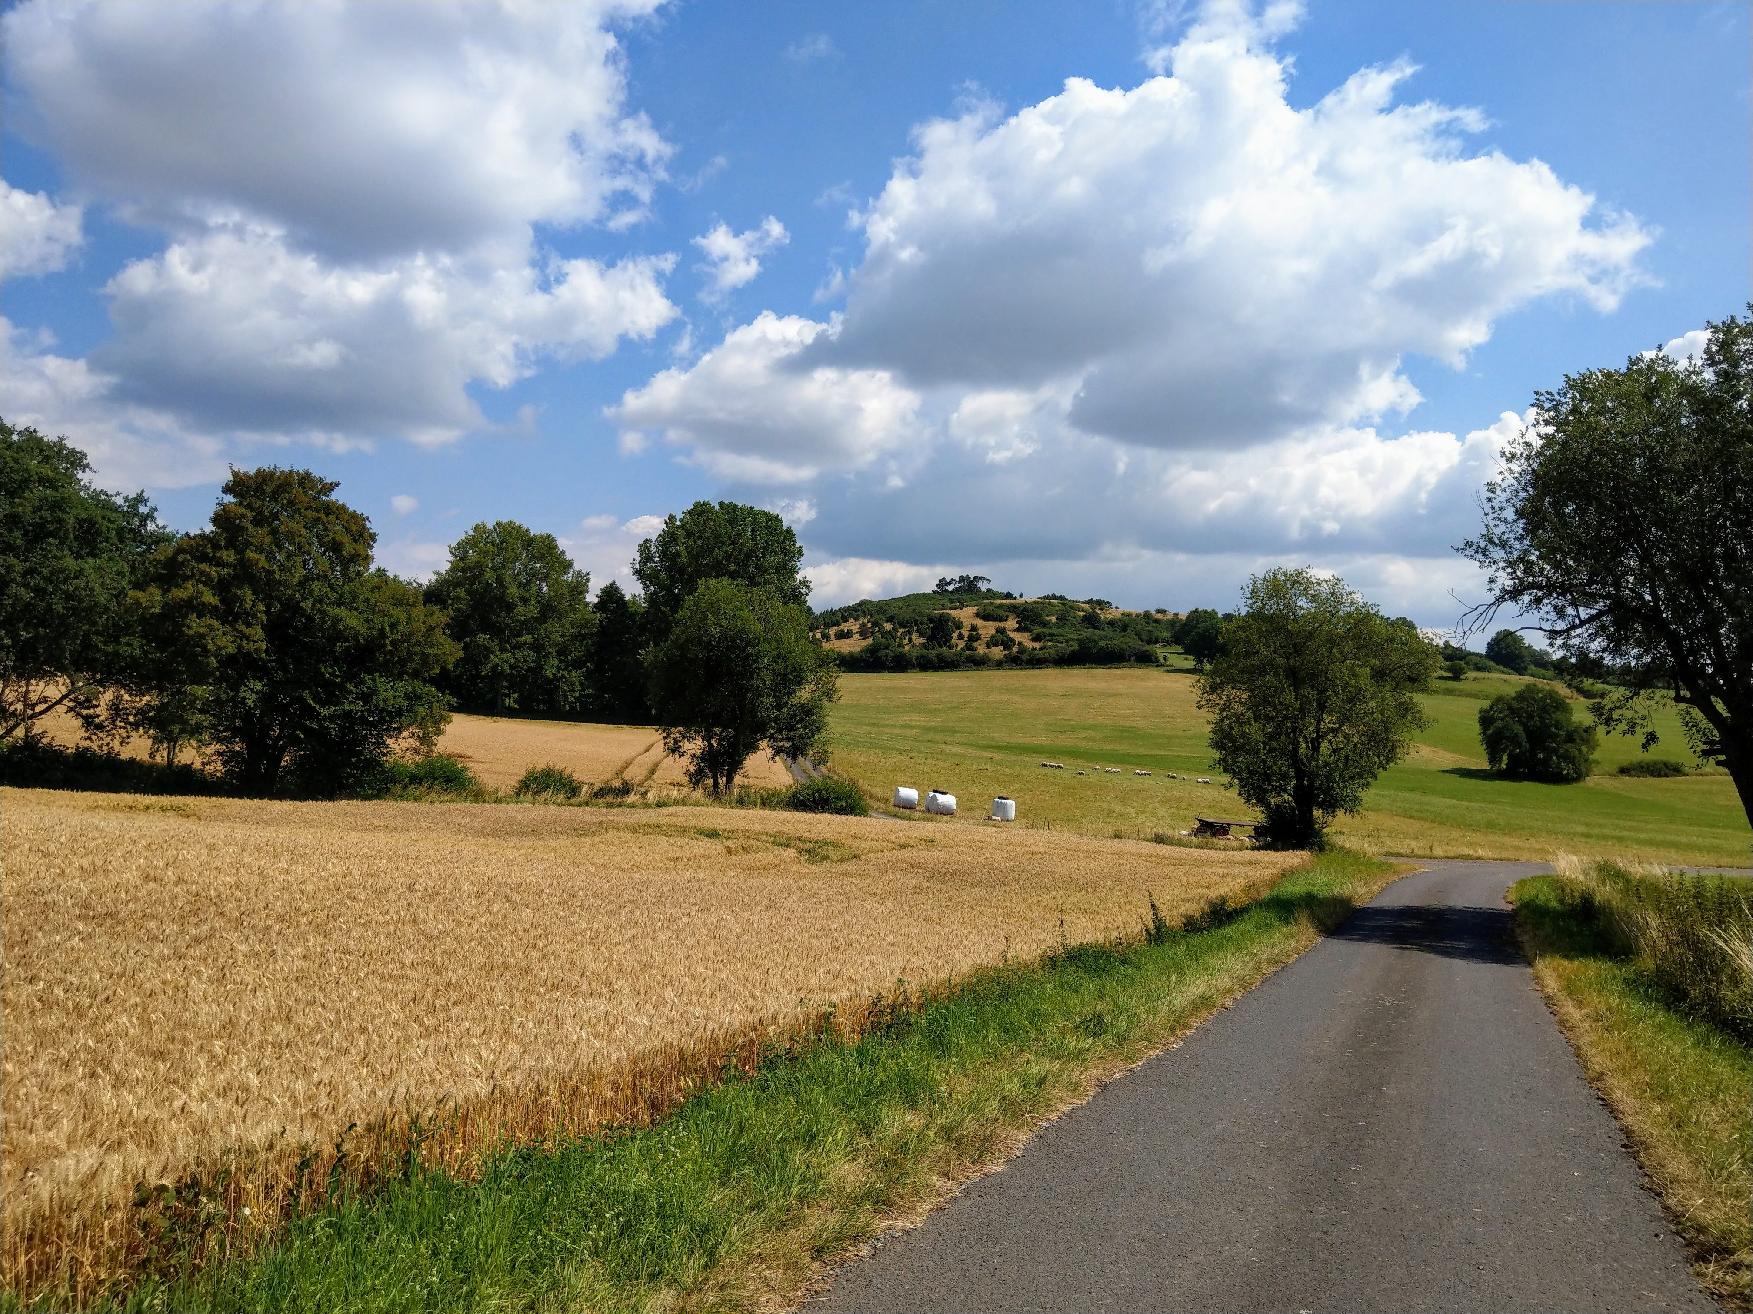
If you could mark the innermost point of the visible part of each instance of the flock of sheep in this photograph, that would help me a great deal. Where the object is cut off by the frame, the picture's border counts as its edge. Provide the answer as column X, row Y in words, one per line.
column 1115, row 771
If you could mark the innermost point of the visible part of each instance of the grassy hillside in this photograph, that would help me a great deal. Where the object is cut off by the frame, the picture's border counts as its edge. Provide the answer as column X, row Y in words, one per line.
column 891, row 634
column 983, row 733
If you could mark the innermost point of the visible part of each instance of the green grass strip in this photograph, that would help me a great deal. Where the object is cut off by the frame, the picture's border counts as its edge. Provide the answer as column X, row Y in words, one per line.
column 739, row 1196
column 1681, row 1087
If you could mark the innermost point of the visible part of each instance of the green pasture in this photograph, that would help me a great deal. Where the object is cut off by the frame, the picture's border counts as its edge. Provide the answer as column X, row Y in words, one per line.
column 979, row 734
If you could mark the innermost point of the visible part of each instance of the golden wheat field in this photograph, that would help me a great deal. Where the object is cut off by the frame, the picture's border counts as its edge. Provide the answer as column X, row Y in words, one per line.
column 499, row 749
column 186, row 978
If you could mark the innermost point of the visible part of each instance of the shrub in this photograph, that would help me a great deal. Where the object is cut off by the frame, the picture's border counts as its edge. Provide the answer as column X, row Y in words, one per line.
column 828, row 794
column 613, row 789
column 1455, row 669
column 989, row 612
column 549, row 782
column 437, row 775
column 34, row 763
column 1530, row 734
column 1659, row 768
column 1689, row 936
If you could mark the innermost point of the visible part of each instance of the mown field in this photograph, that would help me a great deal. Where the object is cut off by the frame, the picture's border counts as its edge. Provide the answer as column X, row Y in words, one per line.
column 979, row 734
column 207, row 991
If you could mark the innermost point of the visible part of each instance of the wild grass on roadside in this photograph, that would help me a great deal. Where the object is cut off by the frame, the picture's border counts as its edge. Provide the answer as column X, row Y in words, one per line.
column 1605, row 952
column 1690, row 936
column 738, row 1197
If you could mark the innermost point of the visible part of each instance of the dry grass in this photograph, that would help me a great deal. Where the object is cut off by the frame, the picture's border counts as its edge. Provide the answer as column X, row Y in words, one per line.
column 195, row 987
column 1678, row 1086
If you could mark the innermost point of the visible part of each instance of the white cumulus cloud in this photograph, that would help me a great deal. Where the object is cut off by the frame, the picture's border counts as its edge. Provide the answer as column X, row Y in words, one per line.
column 37, row 235
column 1206, row 265
column 1688, row 346
column 130, row 446
column 734, row 259
column 363, row 128
column 1126, row 329
column 744, row 412
column 238, row 331
column 357, row 200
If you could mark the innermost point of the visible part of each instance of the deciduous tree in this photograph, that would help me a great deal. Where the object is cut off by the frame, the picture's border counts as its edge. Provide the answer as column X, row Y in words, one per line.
column 1312, row 695
column 1511, row 651
column 737, row 673
column 1198, row 635
column 617, row 659
column 1621, row 524
column 1530, row 734
column 70, row 552
column 520, row 612
column 716, row 540
column 307, row 661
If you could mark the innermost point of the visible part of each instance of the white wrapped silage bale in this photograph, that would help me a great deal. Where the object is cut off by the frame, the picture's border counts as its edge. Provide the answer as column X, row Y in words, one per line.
column 944, row 805
column 1003, row 809
column 906, row 798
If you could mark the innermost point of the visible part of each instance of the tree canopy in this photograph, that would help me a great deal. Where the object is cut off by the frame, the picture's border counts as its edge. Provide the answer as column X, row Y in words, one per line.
column 69, row 555
column 961, row 584
column 304, row 657
column 520, row 612
column 940, row 630
column 1198, row 635
column 1312, row 694
column 739, row 672
column 1531, row 735
column 717, row 540
column 1620, row 524
column 1512, row 652
column 617, row 659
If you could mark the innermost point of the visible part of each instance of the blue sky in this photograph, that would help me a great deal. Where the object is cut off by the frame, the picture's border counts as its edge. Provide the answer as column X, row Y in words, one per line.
column 1200, row 312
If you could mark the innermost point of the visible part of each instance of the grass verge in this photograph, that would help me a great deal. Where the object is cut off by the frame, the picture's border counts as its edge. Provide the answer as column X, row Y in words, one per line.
column 1679, row 1085
column 738, row 1198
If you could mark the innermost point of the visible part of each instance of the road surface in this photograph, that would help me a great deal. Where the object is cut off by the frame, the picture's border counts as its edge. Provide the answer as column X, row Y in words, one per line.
column 1393, row 1122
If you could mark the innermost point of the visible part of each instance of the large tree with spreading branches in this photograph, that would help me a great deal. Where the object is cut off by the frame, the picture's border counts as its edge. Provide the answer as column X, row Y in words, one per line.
column 1622, row 526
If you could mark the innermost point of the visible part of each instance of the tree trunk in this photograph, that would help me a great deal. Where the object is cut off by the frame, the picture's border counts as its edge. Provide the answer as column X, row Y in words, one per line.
column 1303, row 796
column 261, row 766
column 271, row 776
column 1738, row 758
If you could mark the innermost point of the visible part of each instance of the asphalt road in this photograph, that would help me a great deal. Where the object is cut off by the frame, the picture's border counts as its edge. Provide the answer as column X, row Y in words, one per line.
column 1393, row 1122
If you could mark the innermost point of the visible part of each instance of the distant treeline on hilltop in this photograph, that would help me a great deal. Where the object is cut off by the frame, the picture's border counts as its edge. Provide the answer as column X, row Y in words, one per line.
column 966, row 623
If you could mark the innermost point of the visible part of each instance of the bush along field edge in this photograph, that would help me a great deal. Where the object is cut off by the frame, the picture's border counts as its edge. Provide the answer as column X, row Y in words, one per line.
column 1651, row 979
column 791, row 1153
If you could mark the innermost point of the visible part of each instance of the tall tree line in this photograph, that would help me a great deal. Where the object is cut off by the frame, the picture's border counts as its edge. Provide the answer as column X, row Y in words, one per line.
column 272, row 640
